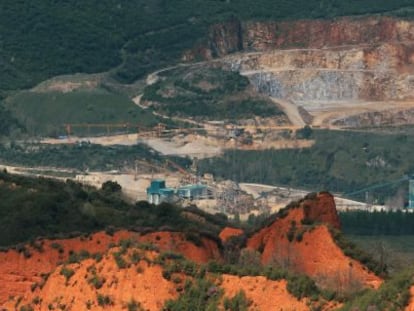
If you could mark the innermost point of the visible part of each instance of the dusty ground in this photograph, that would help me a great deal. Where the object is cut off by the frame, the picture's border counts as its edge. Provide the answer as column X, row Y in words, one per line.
column 291, row 110
column 325, row 113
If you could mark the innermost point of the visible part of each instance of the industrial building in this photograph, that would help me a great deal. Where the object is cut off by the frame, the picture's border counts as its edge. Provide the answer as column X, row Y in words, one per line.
column 157, row 192
column 192, row 192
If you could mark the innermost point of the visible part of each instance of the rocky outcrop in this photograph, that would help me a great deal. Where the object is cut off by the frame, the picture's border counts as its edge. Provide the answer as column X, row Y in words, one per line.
column 377, row 118
column 142, row 285
column 300, row 240
column 315, row 62
column 383, row 72
column 260, row 36
column 250, row 36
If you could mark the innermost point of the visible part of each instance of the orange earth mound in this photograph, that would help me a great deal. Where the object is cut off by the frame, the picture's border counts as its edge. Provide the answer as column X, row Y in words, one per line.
column 311, row 249
column 229, row 232
column 18, row 273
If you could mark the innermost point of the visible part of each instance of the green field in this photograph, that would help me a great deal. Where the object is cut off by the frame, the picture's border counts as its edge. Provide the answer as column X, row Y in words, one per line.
column 397, row 251
column 45, row 113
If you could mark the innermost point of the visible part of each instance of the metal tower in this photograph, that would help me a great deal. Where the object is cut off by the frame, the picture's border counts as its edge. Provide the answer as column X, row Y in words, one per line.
column 411, row 194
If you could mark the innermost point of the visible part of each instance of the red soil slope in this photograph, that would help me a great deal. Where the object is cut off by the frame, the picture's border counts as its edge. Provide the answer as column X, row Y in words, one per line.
column 229, row 232
column 291, row 243
column 18, row 273
column 141, row 282
column 410, row 306
column 264, row 294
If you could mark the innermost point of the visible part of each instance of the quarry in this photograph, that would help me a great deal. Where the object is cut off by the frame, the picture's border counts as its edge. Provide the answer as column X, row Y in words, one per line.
column 263, row 165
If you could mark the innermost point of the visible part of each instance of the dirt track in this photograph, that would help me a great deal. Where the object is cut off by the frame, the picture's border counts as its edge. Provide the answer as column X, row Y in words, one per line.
column 291, row 110
column 327, row 114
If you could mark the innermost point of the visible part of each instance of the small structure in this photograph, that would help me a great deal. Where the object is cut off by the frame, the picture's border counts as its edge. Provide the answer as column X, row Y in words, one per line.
column 192, row 192
column 157, row 192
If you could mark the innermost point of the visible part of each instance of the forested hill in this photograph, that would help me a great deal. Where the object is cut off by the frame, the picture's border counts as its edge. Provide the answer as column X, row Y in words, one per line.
column 43, row 38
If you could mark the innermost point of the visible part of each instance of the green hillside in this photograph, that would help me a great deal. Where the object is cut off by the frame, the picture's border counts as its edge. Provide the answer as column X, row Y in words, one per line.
column 208, row 93
column 44, row 38
column 340, row 161
column 32, row 207
column 45, row 113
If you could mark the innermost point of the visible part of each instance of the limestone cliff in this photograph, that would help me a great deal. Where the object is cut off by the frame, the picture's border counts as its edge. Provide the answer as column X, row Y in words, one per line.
column 318, row 64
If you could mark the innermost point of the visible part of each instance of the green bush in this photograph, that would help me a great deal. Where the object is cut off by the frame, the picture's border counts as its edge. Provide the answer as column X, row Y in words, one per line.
column 133, row 305
column 96, row 281
column 120, row 261
column 238, row 303
column 104, row 300
column 394, row 294
column 198, row 296
column 302, row 286
column 67, row 272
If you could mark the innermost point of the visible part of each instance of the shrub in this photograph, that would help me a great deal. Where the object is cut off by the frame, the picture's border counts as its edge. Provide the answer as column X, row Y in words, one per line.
column 104, row 300
column 135, row 257
column 133, row 305
column 238, row 303
column 96, row 281
column 67, row 272
column 26, row 308
column 111, row 187
column 301, row 286
column 199, row 295
column 120, row 261
column 58, row 247
column 97, row 257
column 78, row 257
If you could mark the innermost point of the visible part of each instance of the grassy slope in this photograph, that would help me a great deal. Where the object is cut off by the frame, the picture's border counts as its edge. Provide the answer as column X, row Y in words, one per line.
column 44, row 114
column 46, row 38
column 397, row 251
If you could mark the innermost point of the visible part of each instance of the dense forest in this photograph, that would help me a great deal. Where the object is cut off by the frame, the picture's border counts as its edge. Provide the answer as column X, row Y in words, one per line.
column 377, row 223
column 45, row 38
column 339, row 161
column 81, row 156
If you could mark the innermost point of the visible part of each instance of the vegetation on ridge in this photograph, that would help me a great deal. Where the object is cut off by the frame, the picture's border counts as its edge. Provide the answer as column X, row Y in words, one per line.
column 33, row 207
column 394, row 294
column 208, row 93
column 49, row 38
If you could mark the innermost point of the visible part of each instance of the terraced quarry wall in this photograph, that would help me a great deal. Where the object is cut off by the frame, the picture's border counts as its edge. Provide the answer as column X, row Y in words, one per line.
column 323, row 65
